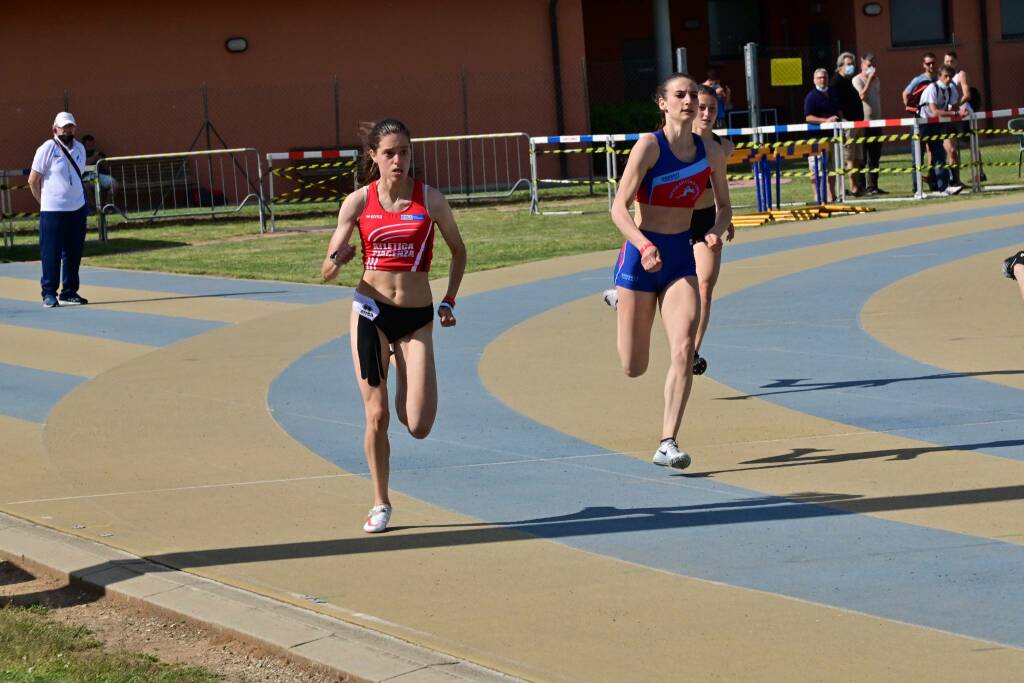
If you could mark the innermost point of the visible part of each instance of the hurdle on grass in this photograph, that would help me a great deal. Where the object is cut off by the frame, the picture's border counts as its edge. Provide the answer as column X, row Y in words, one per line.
column 313, row 174
column 605, row 145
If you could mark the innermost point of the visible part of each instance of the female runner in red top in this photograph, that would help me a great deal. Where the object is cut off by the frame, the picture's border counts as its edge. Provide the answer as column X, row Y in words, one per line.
column 393, row 310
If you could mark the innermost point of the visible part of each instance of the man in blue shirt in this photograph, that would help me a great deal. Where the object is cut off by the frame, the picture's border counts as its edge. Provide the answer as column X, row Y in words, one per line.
column 821, row 106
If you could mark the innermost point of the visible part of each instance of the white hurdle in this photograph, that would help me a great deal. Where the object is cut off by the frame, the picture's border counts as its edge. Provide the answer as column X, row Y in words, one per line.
column 320, row 162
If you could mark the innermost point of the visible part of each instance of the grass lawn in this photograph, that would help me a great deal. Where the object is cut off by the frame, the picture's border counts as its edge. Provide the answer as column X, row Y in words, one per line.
column 497, row 235
column 34, row 648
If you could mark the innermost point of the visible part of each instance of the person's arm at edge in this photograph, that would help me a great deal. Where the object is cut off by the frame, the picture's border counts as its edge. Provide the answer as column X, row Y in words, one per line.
column 641, row 158
column 338, row 244
column 717, row 158
column 441, row 212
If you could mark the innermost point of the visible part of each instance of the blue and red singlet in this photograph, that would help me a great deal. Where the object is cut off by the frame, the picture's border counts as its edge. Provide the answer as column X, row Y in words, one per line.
column 672, row 182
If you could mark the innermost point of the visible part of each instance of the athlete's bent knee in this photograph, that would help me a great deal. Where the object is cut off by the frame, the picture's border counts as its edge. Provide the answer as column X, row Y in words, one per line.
column 420, row 430
column 635, row 368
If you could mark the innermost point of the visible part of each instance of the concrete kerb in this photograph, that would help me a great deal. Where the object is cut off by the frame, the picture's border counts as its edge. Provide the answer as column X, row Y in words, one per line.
column 308, row 638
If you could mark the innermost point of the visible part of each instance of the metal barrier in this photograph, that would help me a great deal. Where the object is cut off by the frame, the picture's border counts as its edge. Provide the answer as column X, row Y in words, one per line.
column 7, row 212
column 468, row 167
column 316, row 176
column 199, row 184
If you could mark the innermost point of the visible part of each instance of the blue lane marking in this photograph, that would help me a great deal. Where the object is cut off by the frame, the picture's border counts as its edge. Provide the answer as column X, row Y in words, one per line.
column 797, row 341
column 625, row 508
column 190, row 285
column 29, row 394
column 93, row 321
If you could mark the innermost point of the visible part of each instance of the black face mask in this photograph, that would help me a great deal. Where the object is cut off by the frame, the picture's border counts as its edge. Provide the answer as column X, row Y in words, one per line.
column 66, row 138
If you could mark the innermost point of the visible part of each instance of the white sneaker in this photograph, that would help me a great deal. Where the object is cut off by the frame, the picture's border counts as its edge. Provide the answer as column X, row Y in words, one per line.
column 377, row 520
column 611, row 297
column 669, row 455
column 954, row 189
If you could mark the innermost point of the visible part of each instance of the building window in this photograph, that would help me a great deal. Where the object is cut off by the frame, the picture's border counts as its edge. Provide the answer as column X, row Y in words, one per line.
column 1012, row 12
column 731, row 25
column 919, row 22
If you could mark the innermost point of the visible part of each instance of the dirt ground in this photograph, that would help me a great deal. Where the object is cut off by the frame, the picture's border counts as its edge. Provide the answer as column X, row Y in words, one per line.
column 127, row 628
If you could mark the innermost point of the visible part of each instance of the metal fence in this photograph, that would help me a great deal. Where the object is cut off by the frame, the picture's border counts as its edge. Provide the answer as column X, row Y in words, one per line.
column 474, row 167
column 196, row 184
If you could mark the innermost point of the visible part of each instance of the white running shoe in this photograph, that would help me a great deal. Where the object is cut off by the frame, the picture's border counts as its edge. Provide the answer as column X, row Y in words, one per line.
column 954, row 189
column 669, row 455
column 611, row 297
column 377, row 520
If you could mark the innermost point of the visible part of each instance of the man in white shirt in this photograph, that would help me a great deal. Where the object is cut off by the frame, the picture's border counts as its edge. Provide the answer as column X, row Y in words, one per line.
column 941, row 99
column 869, row 88
column 56, row 183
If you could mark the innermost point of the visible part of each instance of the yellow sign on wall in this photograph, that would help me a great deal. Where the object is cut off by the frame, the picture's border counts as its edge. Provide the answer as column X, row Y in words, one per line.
column 788, row 71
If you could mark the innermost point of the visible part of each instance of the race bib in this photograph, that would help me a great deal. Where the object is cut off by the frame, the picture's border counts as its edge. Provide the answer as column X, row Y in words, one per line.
column 365, row 306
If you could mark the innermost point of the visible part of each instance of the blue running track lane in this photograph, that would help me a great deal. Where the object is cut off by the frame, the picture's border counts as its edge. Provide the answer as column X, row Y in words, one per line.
column 492, row 463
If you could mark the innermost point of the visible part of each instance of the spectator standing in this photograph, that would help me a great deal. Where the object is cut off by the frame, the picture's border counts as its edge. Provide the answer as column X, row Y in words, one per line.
column 821, row 106
column 941, row 99
column 969, row 96
column 56, row 183
column 722, row 93
column 869, row 89
column 852, row 109
column 912, row 103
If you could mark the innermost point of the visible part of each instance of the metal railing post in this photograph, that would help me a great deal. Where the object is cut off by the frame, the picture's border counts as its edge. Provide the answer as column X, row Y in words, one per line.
column 975, row 155
column 840, row 163
column 916, row 155
column 534, row 195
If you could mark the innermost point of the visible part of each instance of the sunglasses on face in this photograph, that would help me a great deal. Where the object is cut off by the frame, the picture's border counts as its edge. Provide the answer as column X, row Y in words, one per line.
column 929, row 63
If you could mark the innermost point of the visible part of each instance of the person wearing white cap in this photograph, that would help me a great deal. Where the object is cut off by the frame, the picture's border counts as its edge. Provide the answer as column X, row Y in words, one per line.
column 56, row 183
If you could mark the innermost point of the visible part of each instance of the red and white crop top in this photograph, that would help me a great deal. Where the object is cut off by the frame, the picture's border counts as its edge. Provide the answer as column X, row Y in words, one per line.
column 673, row 182
column 396, row 240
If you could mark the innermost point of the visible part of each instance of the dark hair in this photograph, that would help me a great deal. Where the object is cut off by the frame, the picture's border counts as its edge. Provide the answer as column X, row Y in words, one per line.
column 947, row 69
column 868, row 57
column 712, row 74
column 662, row 90
column 927, row 55
column 951, row 53
column 87, row 138
column 706, row 90
column 369, row 171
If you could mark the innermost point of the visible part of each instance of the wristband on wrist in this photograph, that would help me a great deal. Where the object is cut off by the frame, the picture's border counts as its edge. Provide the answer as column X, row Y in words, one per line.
column 447, row 301
column 644, row 247
column 334, row 258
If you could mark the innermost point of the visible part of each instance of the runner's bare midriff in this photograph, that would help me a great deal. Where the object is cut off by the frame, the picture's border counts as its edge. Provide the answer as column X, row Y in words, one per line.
column 666, row 220
column 398, row 288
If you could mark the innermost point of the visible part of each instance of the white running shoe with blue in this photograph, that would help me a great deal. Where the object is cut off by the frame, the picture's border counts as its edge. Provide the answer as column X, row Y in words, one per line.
column 669, row 455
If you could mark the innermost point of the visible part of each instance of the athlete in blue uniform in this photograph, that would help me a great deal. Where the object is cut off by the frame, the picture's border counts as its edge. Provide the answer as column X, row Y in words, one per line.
column 666, row 173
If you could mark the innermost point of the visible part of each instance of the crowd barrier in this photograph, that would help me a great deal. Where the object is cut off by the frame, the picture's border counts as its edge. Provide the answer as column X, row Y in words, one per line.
column 828, row 149
column 465, row 167
column 14, row 179
column 199, row 184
